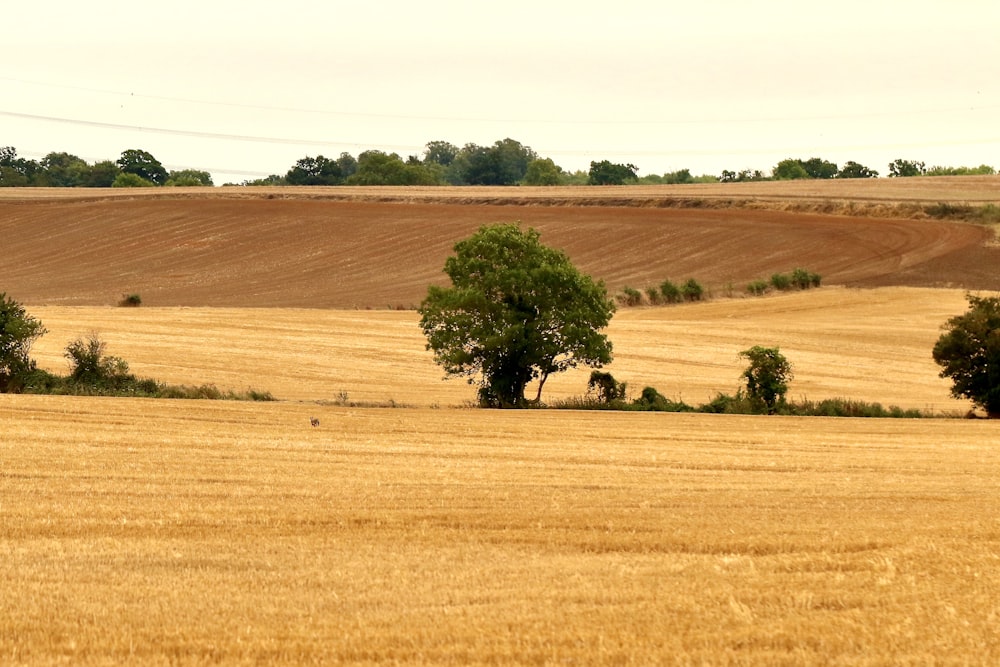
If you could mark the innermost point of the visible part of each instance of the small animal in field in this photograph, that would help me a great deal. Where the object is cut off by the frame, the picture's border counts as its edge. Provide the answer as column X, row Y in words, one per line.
column 313, row 421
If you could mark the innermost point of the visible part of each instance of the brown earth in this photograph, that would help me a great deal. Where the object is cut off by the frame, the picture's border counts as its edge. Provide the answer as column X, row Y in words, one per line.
column 381, row 247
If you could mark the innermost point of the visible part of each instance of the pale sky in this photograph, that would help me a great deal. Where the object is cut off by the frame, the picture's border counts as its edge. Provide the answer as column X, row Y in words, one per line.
column 244, row 88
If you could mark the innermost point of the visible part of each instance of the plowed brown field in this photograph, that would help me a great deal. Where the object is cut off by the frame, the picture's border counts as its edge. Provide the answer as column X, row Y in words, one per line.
column 298, row 249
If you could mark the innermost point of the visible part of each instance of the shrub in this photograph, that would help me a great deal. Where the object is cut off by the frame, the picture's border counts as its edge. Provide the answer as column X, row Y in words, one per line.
column 653, row 295
column 653, row 401
column 781, row 282
column 89, row 365
column 18, row 332
column 630, row 296
column 671, row 292
column 757, row 287
column 130, row 300
column 801, row 278
column 692, row 290
column 606, row 387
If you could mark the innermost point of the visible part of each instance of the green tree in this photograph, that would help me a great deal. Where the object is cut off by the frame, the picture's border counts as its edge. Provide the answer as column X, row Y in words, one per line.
column 189, row 178
column 17, row 172
column 440, row 152
column 517, row 311
column 819, row 168
column 788, row 170
column 542, row 171
column 315, row 171
column 64, row 170
column 102, row 174
column 504, row 163
column 902, row 168
column 379, row 168
column 852, row 169
column 606, row 172
column 144, row 165
column 18, row 332
column 766, row 377
column 969, row 353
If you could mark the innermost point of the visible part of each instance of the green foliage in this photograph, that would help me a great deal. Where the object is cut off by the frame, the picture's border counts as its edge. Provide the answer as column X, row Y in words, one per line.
column 781, row 281
column 803, row 279
column 969, row 353
column 852, row 169
column 630, row 296
column 91, row 366
column 504, row 163
column 127, row 180
column 608, row 173
column 679, row 177
column 653, row 401
column 315, row 171
column 903, row 168
column 758, row 287
column 18, row 332
column 517, row 311
column 671, row 292
column 607, row 389
column 767, row 376
column 440, row 152
column 378, row 168
column 788, row 170
column 692, row 290
column 132, row 300
column 653, row 295
column 542, row 171
column 742, row 176
column 189, row 178
column 102, row 174
column 981, row 170
column 142, row 164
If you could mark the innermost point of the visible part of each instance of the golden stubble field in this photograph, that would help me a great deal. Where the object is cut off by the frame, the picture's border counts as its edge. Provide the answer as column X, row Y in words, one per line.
column 170, row 532
column 191, row 532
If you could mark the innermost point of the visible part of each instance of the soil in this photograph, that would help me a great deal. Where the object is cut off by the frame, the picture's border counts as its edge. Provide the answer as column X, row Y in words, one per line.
column 295, row 248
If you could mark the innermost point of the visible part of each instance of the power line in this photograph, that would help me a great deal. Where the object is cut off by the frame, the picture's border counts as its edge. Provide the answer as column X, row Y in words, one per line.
column 895, row 112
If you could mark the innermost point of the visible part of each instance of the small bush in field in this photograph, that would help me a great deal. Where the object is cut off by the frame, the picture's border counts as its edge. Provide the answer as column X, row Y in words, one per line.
column 671, row 292
column 781, row 282
column 757, row 287
column 606, row 387
column 130, row 301
column 653, row 295
column 630, row 296
column 692, row 290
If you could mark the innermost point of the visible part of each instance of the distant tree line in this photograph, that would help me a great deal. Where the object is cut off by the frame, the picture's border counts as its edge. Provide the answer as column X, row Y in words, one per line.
column 135, row 168
column 505, row 162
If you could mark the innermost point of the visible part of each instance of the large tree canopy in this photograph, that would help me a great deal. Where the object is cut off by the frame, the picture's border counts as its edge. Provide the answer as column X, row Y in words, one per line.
column 517, row 311
column 969, row 352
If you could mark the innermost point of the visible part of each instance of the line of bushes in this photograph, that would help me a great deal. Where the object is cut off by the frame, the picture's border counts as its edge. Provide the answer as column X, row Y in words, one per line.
column 668, row 292
column 798, row 279
column 766, row 383
column 95, row 373
column 651, row 400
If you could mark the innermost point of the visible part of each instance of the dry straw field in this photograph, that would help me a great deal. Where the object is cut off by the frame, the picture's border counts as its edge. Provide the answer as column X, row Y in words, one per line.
column 190, row 532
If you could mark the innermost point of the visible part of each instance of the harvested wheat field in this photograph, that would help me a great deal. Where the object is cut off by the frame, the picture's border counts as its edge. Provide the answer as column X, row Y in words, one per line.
column 173, row 532
column 140, row 531
column 839, row 340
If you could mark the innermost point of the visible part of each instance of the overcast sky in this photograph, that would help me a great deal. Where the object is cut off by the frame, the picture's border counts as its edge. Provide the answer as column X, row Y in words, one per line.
column 245, row 88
